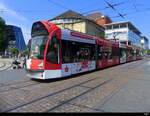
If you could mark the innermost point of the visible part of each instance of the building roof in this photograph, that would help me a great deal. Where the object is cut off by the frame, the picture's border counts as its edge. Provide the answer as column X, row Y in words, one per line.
column 118, row 22
column 74, row 15
column 95, row 16
column 69, row 15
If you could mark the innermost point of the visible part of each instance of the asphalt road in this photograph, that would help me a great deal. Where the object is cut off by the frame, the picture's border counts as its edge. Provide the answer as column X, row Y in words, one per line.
column 11, row 75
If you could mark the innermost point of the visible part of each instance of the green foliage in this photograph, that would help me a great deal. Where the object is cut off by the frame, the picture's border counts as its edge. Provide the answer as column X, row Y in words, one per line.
column 102, row 35
column 14, row 50
column 2, row 24
column 148, row 52
column 3, row 40
column 25, row 52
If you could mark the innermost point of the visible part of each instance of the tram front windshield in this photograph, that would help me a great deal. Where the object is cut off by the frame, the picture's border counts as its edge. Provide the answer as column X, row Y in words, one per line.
column 38, row 44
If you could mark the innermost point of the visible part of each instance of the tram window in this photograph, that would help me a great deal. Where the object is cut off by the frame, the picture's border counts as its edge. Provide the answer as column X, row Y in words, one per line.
column 129, row 53
column 92, row 52
column 132, row 52
column 53, row 50
column 37, row 47
column 115, row 52
column 110, row 55
column 86, row 52
column 107, row 52
column 122, row 52
column 66, row 51
column 77, row 52
column 38, row 29
column 99, row 52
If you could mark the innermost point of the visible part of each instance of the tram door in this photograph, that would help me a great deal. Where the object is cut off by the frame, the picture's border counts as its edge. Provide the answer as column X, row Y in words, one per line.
column 123, row 55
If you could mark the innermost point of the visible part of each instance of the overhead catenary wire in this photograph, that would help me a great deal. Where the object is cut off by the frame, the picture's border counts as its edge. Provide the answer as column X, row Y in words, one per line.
column 25, row 11
column 112, row 5
column 60, row 5
column 131, row 13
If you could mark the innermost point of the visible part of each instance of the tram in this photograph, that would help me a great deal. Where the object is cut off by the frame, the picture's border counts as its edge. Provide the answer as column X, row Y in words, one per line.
column 123, row 53
column 56, row 52
column 138, row 53
column 107, row 53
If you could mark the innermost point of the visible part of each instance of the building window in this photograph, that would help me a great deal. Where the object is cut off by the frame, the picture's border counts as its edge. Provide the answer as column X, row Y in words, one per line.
column 108, row 27
column 115, row 26
column 123, row 25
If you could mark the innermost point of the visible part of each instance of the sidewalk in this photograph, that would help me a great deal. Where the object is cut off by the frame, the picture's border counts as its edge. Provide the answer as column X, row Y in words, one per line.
column 5, row 62
column 1, row 64
column 7, row 73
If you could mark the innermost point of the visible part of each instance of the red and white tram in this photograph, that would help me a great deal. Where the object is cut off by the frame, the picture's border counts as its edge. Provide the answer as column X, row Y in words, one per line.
column 56, row 52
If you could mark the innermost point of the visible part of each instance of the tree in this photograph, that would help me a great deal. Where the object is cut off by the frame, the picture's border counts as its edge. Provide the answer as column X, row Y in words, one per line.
column 25, row 52
column 115, row 34
column 148, row 51
column 2, row 24
column 102, row 35
column 14, row 50
column 3, row 40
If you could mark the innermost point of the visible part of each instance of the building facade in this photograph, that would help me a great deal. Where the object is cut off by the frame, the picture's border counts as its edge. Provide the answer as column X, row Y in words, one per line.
column 145, row 43
column 77, row 22
column 123, row 32
column 15, row 38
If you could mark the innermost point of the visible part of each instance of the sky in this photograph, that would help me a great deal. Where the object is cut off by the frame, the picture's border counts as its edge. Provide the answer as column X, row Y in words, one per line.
column 24, row 13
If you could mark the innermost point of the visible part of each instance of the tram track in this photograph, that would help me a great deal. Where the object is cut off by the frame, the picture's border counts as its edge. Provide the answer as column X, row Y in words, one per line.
column 15, row 83
column 15, row 88
column 12, row 87
column 78, row 96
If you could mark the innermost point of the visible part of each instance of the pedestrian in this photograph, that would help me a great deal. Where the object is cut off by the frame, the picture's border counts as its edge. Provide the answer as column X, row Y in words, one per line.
column 24, row 62
column 16, row 64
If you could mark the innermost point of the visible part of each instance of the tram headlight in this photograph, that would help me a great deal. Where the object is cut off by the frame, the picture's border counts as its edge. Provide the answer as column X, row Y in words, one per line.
column 40, row 64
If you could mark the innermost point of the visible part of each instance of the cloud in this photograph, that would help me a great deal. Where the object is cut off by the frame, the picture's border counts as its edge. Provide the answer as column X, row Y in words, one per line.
column 13, row 18
column 10, row 12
